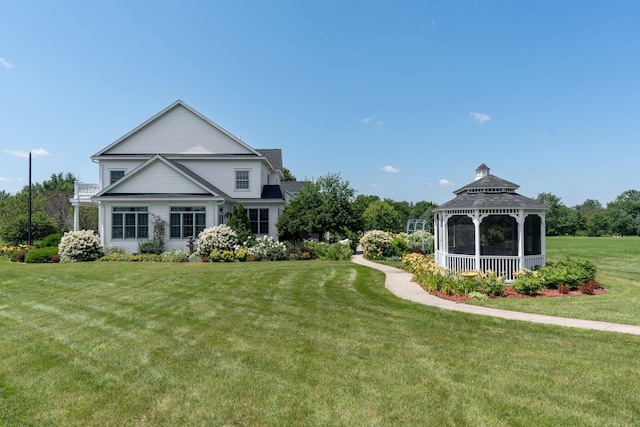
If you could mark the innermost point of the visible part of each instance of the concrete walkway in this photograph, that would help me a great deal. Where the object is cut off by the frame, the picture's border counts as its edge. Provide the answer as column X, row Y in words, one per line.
column 400, row 284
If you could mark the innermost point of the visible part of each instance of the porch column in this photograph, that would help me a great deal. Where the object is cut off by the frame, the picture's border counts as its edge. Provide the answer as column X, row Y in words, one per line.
column 543, row 236
column 477, row 220
column 520, row 218
column 76, row 216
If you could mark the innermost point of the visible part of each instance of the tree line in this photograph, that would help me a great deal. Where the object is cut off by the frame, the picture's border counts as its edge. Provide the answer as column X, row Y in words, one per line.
column 620, row 217
column 327, row 206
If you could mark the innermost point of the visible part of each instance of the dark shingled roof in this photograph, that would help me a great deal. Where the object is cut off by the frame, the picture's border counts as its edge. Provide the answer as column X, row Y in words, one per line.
column 490, row 200
column 271, row 192
column 293, row 186
column 490, row 192
column 273, row 156
column 490, row 182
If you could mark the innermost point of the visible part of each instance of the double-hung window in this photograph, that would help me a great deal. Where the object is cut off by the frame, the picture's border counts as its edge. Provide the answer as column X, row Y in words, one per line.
column 130, row 223
column 259, row 219
column 242, row 180
column 186, row 221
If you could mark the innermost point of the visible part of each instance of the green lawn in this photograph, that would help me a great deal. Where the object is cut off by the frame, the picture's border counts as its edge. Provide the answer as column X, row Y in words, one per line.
column 286, row 343
column 618, row 262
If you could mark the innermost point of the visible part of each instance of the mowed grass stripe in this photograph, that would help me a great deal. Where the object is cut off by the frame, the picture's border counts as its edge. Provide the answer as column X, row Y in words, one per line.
column 306, row 343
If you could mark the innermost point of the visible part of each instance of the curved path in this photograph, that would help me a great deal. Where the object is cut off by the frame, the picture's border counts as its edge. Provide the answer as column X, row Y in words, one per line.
column 399, row 283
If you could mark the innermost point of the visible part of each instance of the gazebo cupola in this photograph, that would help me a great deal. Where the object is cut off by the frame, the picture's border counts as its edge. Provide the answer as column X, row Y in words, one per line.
column 488, row 226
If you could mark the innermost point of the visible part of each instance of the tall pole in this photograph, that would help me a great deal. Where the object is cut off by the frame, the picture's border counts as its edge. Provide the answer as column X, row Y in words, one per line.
column 30, row 239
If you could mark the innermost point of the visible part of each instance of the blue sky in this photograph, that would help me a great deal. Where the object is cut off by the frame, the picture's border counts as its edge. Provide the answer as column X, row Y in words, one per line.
column 403, row 98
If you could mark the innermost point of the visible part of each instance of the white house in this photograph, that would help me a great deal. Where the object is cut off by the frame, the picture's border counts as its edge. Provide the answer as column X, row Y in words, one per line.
column 183, row 168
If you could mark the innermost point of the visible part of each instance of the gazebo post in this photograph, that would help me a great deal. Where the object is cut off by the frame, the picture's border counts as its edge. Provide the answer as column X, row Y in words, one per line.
column 476, row 224
column 520, row 219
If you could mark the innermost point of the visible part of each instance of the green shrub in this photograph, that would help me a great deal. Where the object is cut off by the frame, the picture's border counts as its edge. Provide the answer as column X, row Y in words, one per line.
column 241, row 254
column 16, row 230
column 175, row 255
column 150, row 247
column 41, row 255
column 18, row 256
column 528, row 283
column 301, row 253
column 329, row 251
column 51, row 240
column 399, row 245
column 228, row 256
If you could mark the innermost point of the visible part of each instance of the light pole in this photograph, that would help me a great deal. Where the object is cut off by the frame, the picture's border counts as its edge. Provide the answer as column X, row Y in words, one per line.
column 30, row 241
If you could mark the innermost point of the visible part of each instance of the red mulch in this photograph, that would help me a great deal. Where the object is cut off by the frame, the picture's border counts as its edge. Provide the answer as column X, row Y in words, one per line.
column 510, row 293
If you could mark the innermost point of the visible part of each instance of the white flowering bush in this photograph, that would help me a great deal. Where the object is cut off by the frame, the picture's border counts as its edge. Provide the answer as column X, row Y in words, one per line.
column 221, row 237
column 376, row 244
column 267, row 248
column 80, row 246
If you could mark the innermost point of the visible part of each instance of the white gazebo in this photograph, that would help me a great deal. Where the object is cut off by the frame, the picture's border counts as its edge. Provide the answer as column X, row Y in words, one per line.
column 488, row 226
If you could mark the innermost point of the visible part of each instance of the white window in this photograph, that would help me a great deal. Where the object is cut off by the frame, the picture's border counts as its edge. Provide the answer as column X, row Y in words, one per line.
column 242, row 180
column 186, row 221
column 130, row 223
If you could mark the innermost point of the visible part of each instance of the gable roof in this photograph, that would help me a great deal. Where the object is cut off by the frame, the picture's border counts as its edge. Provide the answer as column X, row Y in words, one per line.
column 191, row 183
column 189, row 147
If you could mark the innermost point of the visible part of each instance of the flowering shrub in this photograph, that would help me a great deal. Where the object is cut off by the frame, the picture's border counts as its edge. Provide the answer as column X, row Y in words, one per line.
column 267, row 248
column 221, row 237
column 80, row 246
column 432, row 277
column 376, row 244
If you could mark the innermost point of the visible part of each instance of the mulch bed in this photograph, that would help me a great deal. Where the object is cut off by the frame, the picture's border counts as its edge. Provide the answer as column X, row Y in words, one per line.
column 510, row 293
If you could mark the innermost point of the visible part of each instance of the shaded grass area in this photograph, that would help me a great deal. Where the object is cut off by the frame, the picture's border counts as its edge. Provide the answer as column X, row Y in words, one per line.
column 286, row 343
column 618, row 262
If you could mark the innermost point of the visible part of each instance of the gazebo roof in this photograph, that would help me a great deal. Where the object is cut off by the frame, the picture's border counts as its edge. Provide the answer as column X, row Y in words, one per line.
column 489, row 192
column 489, row 183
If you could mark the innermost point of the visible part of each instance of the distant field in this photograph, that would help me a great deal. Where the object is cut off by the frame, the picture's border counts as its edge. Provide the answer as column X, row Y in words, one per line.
column 309, row 343
column 618, row 262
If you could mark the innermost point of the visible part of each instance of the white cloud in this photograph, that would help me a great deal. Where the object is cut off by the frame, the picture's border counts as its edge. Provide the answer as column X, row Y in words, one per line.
column 480, row 118
column 378, row 185
column 38, row 152
column 372, row 119
column 3, row 179
column 445, row 183
column 5, row 63
column 389, row 169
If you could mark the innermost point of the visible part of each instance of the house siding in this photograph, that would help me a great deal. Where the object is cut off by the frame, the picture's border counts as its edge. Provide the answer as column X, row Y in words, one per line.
column 158, row 178
column 179, row 131
column 222, row 173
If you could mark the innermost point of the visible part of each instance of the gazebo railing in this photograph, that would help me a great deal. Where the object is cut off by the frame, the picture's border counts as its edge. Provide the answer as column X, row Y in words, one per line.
column 502, row 265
